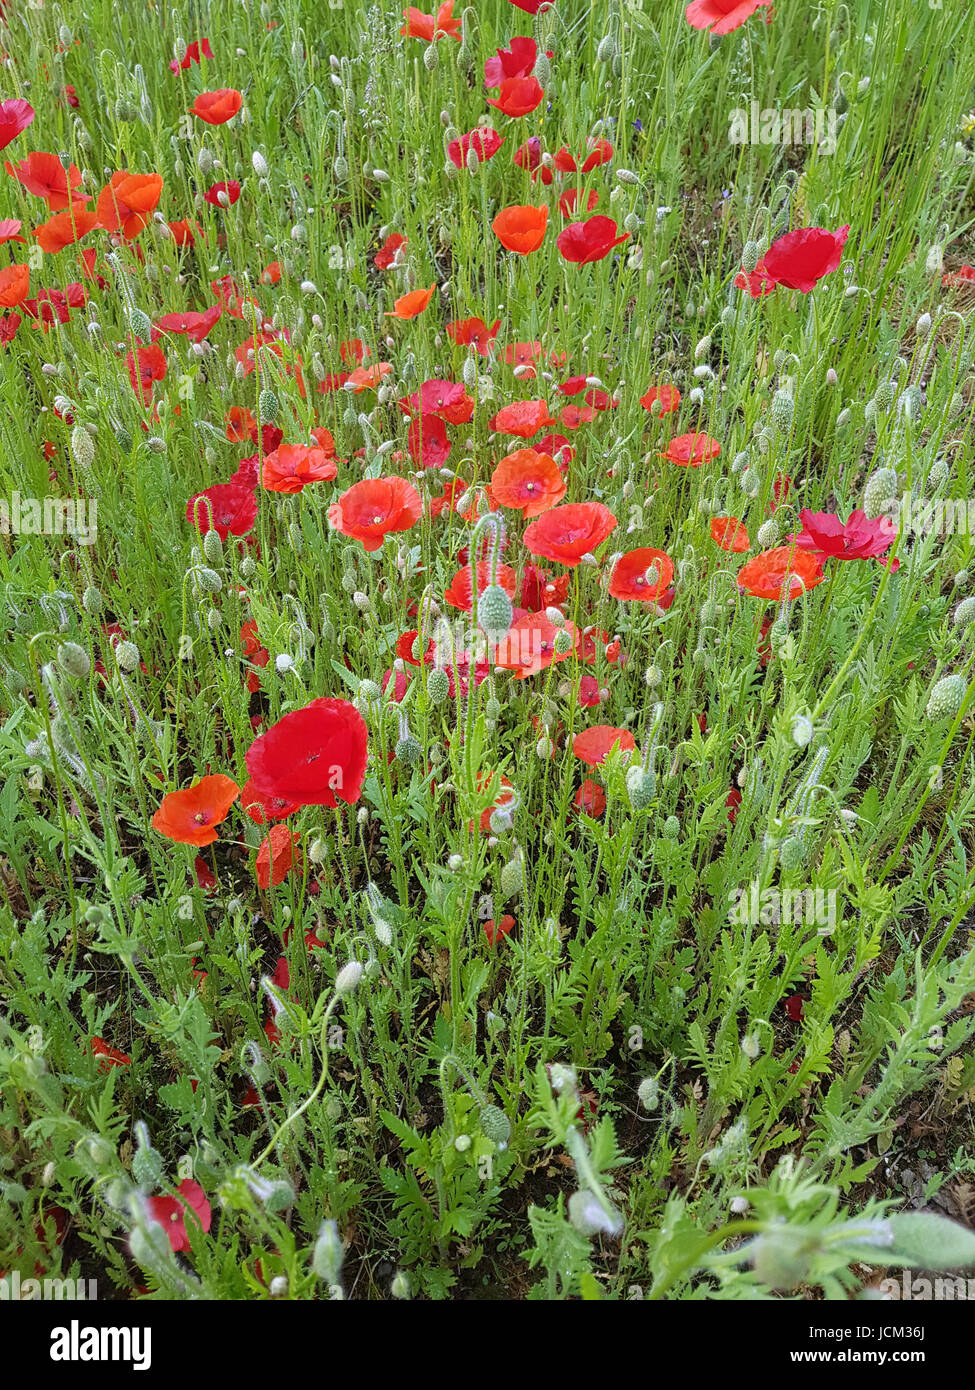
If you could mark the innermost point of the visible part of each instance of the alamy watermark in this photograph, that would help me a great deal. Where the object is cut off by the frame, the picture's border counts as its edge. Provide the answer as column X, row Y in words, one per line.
column 755, row 906
column 15, row 1289
column 768, row 125
column 50, row 516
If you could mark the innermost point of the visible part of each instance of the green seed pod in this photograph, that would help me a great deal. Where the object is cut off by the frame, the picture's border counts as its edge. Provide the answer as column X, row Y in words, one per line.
column 492, row 710
column 127, row 656
column 791, row 853
column 438, row 686
column 884, row 396
column 880, row 491
column 783, row 409
column 562, row 643
column 147, row 1164
column 946, row 698
column 369, row 690
column 208, row 580
column 494, row 612
column 74, row 660
column 124, row 440
column 767, row 534
column 431, row 58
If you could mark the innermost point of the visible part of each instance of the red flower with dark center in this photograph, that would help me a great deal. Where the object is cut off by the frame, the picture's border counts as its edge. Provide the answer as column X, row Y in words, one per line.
column 196, row 326
column 592, row 240
column 800, row 259
column 447, row 399
column 427, row 26
column 473, row 333
column 223, row 194
column 263, row 809
column 190, row 816
column 590, row 799
column 529, row 646
column 592, row 745
column 170, row 1212
column 629, row 578
column 372, row 509
column 668, row 396
column 390, row 254
column 146, row 365
column 459, row 594
column 127, row 201
column 195, row 53
column 691, row 450
column 45, row 176
column 568, row 532
column 527, row 481
column 291, row 467
column 314, row 756
column 233, row 509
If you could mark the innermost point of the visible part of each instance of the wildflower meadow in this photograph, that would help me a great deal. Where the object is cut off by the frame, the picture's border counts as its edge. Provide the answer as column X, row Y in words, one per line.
column 487, row 800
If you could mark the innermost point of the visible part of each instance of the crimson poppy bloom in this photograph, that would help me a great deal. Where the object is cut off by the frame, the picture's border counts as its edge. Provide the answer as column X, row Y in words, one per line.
column 494, row 933
column 374, row 507
column 14, row 285
column 189, row 816
column 111, row 1056
column 446, row 399
column 9, row 229
column 518, row 96
column 459, row 594
column 215, row 108
column 590, row 799
column 127, row 201
column 291, row 467
column 185, row 233
column 592, row 745
column 484, row 141
column 529, row 646
column 569, row 201
column 425, row 26
column 15, row 116
column 277, row 856
column 592, row 240
column 170, row 1212
column 629, row 577
column 568, row 532
column 390, row 254
column 223, row 194
column 800, row 259
column 46, row 177
column 521, row 228
column 410, row 306
column 668, row 396
column 757, row 282
column 691, row 450
column 195, row 53
column 964, row 275
column 730, row 534
column 262, row 809
column 528, row 482
column 858, row 538
column 65, row 228
column 473, row 333
column 232, row 510
column 147, row 365
column 518, row 60
column 427, row 441
column 523, row 418
column 313, row 756
column 784, row 572
column 721, row 16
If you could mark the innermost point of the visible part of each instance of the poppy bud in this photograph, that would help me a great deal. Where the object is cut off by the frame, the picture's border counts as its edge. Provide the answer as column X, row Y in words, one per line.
column 783, row 408
column 562, row 643
column 750, row 483
column 739, row 461
column 348, row 977
column 74, row 661
column 91, row 601
column 703, row 348
column 946, row 698
column 127, row 656
column 956, row 406
column 408, row 751
column 750, row 256
column 495, row 1125
column 842, row 420
column 340, row 168
column 326, row 1259
column 512, row 878
column 606, row 51
column 369, row 690
column 964, row 613
column 431, row 58
column 923, row 326
column 648, row 1092
column 884, row 395
column 751, row 1046
column 438, row 686
column 802, row 730
column 671, row 828
column 83, row 448
column 792, row 852
column 361, row 601
column 641, row 786
column 653, row 676
column 213, row 546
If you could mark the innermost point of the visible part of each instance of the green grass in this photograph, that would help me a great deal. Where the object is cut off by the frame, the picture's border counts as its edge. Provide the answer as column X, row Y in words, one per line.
column 691, row 1103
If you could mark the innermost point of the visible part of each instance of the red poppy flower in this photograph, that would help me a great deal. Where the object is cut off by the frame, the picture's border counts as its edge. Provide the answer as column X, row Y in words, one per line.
column 521, row 228
column 785, row 572
column 592, row 240
column 371, row 509
column 721, row 16
column 592, row 745
column 425, row 26
column 263, row 809
column 223, row 194
column 730, row 534
column 518, row 96
column 447, row 399
column 390, row 254
column 528, row 482
column 459, row 594
column 195, row 53
column 170, row 1212
column 523, row 418
column 427, row 441
column 757, row 282
column 292, row 467
column 495, row 933
column 14, row 285
column 277, row 856
column 964, row 275
column 800, row 259
column 569, row 201
column 126, row 202
column 111, row 1056
column 473, row 333
column 185, row 233
column 15, row 116
column 795, row 1007
column 518, row 60
column 45, row 176
column 733, row 801
column 189, row 816
column 9, row 228
column 568, row 532
column 520, row 354
column 312, row 755
column 629, row 578
column 529, row 646
column 691, row 450
column 147, row 364
column 65, row 228
column 668, row 396
column 215, row 108
column 484, row 141
column 858, row 538
column 410, row 306
column 233, row 509
column 590, row 799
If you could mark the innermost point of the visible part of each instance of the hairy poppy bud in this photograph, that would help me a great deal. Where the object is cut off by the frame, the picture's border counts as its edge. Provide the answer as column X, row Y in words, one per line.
column 495, row 1125
column 751, row 1046
column 964, row 613
column 326, row 1259
column 946, row 698
column 213, row 546
column 141, row 324
column 884, row 395
column 348, row 977
column 74, row 661
column 562, row 643
column 671, row 828
column 494, row 612
column 438, row 686
column 267, row 405
column 127, row 656
column 880, row 492
column 653, row 676
column 802, row 730
column 792, row 852
column 82, row 447
column 767, row 534
column 606, row 51
column 648, row 1092
column 783, row 408
column 750, row 256
column 408, row 751
column 641, row 786
column 512, row 878
column 369, row 690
